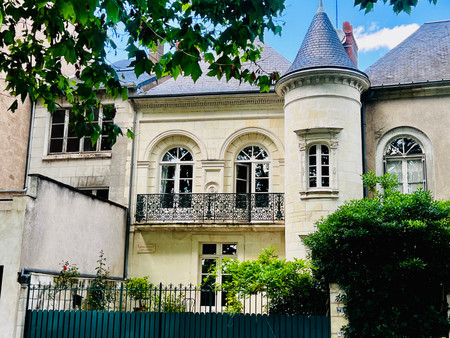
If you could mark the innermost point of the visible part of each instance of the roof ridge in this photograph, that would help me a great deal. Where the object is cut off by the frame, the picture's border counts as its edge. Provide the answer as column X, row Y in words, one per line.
column 437, row 21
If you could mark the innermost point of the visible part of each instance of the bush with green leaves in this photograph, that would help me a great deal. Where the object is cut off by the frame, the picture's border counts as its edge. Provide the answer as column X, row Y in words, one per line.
column 290, row 286
column 100, row 292
column 390, row 254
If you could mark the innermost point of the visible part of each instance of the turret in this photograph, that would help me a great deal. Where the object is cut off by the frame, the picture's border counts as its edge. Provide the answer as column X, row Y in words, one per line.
column 322, row 107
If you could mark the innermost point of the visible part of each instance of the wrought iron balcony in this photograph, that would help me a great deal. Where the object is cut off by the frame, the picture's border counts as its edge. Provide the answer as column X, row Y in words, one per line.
column 266, row 207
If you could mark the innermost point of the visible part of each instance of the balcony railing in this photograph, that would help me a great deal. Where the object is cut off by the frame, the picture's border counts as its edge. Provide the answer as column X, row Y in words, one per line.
column 265, row 207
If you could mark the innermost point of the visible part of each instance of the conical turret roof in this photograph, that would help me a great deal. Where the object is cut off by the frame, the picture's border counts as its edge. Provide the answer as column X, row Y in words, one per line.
column 321, row 46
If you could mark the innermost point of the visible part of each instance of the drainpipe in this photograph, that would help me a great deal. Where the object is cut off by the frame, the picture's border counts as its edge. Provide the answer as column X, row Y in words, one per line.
column 130, row 195
column 28, row 159
column 365, row 97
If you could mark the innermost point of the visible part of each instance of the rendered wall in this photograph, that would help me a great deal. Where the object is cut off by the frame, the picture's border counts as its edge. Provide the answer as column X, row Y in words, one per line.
column 11, row 230
column 173, row 256
column 62, row 224
column 426, row 110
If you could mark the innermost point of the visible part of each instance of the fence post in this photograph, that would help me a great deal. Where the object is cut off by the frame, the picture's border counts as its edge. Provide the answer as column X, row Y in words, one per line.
column 337, row 316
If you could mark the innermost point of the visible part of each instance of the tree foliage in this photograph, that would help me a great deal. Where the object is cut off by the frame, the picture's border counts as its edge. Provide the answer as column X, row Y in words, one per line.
column 289, row 285
column 397, row 5
column 38, row 37
column 391, row 256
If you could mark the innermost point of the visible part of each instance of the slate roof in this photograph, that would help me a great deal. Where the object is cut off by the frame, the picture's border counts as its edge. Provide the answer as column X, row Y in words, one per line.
column 270, row 61
column 321, row 47
column 127, row 76
column 424, row 56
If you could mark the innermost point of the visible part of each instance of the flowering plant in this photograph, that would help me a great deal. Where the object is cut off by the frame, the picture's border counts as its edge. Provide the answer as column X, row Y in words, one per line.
column 68, row 276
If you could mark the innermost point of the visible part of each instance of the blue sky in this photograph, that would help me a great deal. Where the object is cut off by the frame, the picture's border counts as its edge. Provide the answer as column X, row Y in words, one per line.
column 376, row 32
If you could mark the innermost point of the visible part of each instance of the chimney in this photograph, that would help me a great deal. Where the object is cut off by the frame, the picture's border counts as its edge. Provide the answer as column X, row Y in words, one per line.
column 156, row 56
column 349, row 43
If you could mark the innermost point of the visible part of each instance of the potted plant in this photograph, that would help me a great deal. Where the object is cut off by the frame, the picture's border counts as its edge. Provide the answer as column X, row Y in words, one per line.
column 139, row 289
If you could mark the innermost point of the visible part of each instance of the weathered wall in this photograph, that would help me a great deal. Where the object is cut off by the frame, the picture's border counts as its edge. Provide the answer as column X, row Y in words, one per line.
column 14, row 128
column 425, row 110
column 11, row 230
column 61, row 224
column 86, row 170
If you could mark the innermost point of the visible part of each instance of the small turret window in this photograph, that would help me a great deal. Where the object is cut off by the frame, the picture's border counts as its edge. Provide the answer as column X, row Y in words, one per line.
column 319, row 166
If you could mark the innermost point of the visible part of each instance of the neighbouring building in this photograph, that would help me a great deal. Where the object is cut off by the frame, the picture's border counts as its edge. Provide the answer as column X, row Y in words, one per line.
column 218, row 169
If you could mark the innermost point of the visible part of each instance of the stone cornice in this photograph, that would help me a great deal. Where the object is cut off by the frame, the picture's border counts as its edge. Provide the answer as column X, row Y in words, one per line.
column 209, row 101
column 321, row 76
column 425, row 89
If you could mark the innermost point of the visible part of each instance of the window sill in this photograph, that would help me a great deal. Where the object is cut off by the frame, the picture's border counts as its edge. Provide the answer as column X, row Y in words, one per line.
column 76, row 156
column 319, row 193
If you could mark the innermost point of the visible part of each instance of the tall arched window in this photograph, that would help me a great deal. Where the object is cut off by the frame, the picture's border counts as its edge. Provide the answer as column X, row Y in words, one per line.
column 177, row 166
column 252, row 170
column 252, row 175
column 405, row 158
column 319, row 166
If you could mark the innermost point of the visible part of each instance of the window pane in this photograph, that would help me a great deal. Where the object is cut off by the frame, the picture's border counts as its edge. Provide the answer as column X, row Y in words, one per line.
column 170, row 156
column 262, row 170
column 312, row 150
column 87, row 145
column 325, row 171
column 168, row 172
column 260, row 153
column 208, row 264
column 312, row 182
column 394, row 167
column 185, row 155
column 59, row 116
column 415, row 171
column 245, row 154
column 167, row 187
column 241, row 187
column 209, row 249
column 106, row 144
column 242, row 172
column 185, row 186
column 229, row 249
column 325, row 159
column 312, row 160
column 325, row 181
column 73, row 145
column 312, row 171
column 56, row 146
column 57, row 130
column 103, row 193
column 324, row 149
column 186, row 171
column 261, row 185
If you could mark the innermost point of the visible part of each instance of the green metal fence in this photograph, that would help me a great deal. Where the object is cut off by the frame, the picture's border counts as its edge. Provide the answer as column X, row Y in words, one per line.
column 107, row 324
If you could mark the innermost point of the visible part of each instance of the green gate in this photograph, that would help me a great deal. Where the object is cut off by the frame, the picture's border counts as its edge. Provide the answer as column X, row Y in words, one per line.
column 112, row 324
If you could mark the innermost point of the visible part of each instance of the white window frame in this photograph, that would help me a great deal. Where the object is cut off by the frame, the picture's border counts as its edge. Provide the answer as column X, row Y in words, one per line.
column 318, row 136
column 217, row 257
column 415, row 134
column 65, row 137
column 177, row 163
column 251, row 164
column 319, row 166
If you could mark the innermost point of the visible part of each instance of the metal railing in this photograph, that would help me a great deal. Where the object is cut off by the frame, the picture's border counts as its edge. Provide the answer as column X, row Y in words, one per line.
column 117, row 297
column 226, row 207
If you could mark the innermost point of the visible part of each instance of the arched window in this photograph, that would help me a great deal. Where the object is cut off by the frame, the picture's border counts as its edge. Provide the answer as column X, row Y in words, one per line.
column 319, row 166
column 177, row 166
column 405, row 158
column 252, row 176
column 252, row 170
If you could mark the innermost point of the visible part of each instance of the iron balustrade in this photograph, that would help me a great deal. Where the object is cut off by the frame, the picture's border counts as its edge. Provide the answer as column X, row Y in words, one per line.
column 223, row 207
